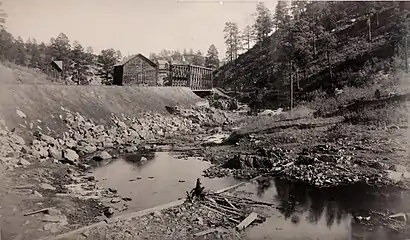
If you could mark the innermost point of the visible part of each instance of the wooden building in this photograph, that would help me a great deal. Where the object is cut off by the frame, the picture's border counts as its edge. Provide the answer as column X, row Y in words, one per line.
column 55, row 69
column 136, row 70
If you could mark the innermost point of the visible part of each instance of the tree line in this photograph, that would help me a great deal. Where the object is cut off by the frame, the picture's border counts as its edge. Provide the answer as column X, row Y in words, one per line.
column 210, row 60
column 80, row 63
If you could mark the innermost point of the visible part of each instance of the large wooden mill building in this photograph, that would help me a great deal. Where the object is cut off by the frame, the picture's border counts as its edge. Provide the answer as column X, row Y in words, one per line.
column 136, row 70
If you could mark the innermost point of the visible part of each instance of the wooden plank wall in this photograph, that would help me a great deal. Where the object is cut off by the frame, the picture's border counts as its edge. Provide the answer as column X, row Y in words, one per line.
column 195, row 77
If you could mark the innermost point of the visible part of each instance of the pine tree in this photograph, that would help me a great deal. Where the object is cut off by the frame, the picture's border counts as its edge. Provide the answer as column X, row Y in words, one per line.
column 106, row 61
column 21, row 54
column 232, row 40
column 248, row 35
column 81, row 70
column 3, row 17
column 198, row 59
column 60, row 49
column 281, row 16
column 212, row 60
column 264, row 22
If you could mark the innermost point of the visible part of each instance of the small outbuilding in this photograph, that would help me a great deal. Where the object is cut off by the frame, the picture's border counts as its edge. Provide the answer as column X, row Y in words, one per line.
column 55, row 69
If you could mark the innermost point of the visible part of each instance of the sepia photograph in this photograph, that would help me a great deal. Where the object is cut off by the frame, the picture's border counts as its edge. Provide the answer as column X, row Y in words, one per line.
column 204, row 119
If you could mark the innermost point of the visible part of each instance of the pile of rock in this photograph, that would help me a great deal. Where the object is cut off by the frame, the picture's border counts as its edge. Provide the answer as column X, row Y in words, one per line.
column 86, row 137
column 225, row 104
column 322, row 166
column 12, row 147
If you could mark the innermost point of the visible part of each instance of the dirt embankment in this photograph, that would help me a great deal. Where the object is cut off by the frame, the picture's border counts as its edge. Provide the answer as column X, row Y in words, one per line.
column 42, row 105
column 11, row 73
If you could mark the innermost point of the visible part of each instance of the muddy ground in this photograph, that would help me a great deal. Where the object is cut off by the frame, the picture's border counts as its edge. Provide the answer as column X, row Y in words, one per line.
column 55, row 173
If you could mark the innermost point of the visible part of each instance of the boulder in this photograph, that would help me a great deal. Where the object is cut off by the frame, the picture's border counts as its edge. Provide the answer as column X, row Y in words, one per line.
column 102, row 156
column 23, row 162
column 90, row 149
column 70, row 155
column 55, row 153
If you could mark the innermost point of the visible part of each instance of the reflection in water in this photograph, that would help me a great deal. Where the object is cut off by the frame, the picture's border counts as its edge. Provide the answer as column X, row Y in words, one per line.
column 304, row 212
column 263, row 185
column 159, row 180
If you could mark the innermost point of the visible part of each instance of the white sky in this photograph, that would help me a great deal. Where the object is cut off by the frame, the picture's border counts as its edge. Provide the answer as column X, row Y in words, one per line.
column 132, row 26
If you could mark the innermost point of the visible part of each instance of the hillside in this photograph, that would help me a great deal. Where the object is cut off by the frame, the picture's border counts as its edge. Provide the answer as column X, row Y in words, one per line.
column 351, row 58
column 14, row 74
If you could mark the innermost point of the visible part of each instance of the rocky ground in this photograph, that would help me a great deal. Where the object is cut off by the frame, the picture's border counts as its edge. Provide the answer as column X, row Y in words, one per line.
column 52, row 175
column 327, row 154
column 55, row 172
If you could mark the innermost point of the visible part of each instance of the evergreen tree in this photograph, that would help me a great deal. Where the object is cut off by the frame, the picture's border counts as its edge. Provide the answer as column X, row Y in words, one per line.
column 106, row 61
column 212, row 60
column 281, row 16
column 264, row 22
column 232, row 40
column 247, row 37
column 60, row 49
column 81, row 70
column 198, row 59
column 21, row 55
column 3, row 17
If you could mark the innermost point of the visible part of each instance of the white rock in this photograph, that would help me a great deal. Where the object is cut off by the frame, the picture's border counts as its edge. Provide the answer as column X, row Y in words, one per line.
column 20, row 114
column 23, row 162
column 47, row 186
column 70, row 155
column 104, row 155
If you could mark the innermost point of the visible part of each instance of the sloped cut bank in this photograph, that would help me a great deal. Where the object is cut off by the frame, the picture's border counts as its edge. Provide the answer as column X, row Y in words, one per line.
column 46, row 102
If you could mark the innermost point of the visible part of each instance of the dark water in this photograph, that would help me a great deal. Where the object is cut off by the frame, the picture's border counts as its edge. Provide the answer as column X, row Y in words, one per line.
column 302, row 212
column 307, row 213
column 170, row 178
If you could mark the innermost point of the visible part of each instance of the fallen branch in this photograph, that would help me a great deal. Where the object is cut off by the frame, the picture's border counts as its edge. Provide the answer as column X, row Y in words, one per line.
column 247, row 200
column 25, row 186
column 234, row 220
column 44, row 210
column 220, row 208
column 214, row 210
column 230, row 204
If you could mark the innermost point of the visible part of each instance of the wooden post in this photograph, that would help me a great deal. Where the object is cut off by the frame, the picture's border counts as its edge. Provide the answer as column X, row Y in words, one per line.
column 370, row 29
column 377, row 18
column 405, row 53
column 189, row 76
column 291, row 86
column 170, row 75
column 212, row 79
column 297, row 78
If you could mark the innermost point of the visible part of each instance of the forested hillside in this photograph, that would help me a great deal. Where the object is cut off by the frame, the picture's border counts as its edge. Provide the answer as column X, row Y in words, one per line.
column 322, row 46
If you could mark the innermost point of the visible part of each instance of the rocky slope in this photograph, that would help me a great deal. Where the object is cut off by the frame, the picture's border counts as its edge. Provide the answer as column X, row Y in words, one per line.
column 353, row 58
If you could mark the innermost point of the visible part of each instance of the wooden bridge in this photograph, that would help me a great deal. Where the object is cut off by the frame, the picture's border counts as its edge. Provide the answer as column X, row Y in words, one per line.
column 198, row 78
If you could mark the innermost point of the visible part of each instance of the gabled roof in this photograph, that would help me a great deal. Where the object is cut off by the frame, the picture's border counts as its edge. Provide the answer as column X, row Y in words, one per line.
column 57, row 65
column 127, row 59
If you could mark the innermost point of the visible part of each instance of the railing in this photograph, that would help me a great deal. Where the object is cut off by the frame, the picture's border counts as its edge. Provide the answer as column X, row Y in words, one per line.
column 194, row 77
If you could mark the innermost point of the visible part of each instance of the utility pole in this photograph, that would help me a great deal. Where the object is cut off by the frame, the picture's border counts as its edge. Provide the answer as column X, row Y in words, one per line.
column 291, row 86
column 369, row 27
column 405, row 53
